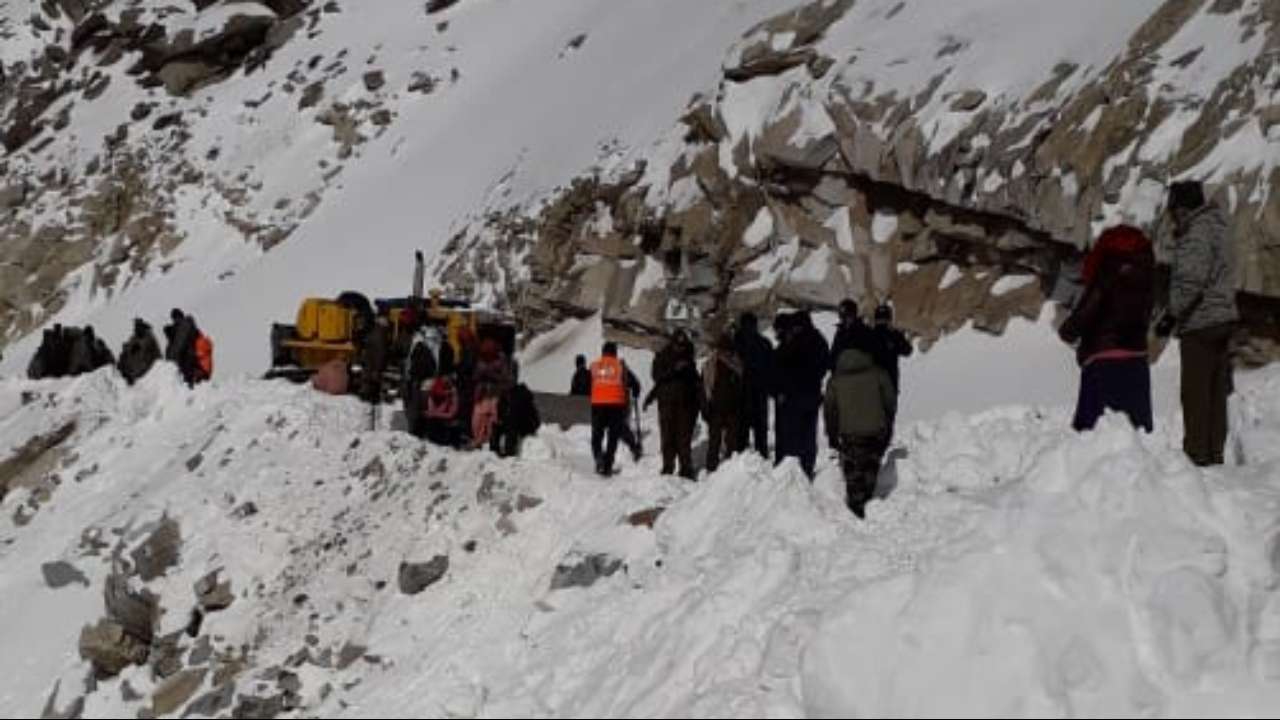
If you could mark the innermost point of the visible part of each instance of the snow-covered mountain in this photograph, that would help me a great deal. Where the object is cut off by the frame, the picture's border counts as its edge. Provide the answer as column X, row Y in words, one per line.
column 569, row 158
column 255, row 549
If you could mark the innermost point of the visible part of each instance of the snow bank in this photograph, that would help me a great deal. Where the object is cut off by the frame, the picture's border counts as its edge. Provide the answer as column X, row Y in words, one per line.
column 1009, row 567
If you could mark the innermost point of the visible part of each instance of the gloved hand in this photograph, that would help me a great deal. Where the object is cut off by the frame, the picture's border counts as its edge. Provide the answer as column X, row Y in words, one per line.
column 1166, row 325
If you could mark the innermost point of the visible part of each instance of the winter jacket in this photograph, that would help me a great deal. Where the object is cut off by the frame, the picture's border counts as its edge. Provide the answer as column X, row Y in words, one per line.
column 1115, row 311
column 855, row 334
column 44, row 364
column 802, row 363
column 518, row 412
column 139, row 353
column 756, row 353
column 1202, row 290
column 676, row 384
column 422, row 355
column 860, row 398
column 82, row 357
column 581, row 384
column 722, row 378
column 890, row 345
column 182, row 346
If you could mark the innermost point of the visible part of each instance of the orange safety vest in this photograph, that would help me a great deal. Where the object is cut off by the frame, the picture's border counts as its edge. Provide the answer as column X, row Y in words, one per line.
column 608, row 382
column 204, row 355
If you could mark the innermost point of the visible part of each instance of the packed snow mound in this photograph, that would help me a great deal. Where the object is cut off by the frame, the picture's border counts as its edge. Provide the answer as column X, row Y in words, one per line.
column 1009, row 567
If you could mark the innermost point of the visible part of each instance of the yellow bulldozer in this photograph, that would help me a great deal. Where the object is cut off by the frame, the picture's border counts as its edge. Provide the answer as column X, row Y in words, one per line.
column 328, row 329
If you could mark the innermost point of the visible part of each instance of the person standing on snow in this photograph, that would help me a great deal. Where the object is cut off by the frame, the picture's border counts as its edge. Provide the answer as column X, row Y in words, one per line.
column 1202, row 311
column 803, row 359
column 1109, row 329
column 181, row 350
column 609, row 381
column 722, row 377
column 756, row 354
column 891, row 344
column 851, row 332
column 858, row 410
column 677, row 387
column 139, row 353
column 581, row 383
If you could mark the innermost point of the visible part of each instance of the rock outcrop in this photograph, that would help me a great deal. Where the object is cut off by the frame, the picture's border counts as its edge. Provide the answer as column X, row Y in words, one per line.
column 799, row 183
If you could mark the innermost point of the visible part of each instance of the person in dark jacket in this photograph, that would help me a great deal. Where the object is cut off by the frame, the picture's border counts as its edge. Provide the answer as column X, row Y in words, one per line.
column 858, row 409
column 851, row 332
column 722, row 378
column 677, row 387
column 102, row 355
column 803, row 359
column 45, row 362
column 756, row 353
column 891, row 344
column 1109, row 329
column 581, row 383
column 139, row 353
column 181, row 350
column 518, row 418
column 1202, row 311
column 83, row 357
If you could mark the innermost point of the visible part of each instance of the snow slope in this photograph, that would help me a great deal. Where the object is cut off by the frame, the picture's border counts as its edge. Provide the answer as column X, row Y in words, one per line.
column 1011, row 567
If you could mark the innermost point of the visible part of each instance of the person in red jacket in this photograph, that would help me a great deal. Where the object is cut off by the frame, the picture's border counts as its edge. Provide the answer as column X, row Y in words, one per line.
column 1109, row 329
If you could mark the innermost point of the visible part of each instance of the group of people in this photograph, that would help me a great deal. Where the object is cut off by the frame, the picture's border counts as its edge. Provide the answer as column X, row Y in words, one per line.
column 1110, row 324
column 1109, row 327
column 70, row 351
column 741, row 375
column 465, row 393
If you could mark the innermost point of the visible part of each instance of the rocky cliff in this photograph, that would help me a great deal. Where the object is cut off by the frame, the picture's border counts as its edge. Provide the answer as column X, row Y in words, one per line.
column 952, row 160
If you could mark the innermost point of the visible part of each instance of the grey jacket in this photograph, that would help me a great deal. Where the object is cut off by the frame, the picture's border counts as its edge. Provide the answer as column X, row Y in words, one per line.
column 1202, row 284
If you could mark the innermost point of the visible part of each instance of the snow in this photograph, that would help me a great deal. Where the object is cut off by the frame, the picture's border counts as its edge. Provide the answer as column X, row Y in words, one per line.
column 1008, row 283
column 1008, row 566
column 883, row 225
column 651, row 276
column 839, row 223
column 1006, row 49
column 992, row 182
column 760, row 229
column 815, row 268
column 951, row 277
